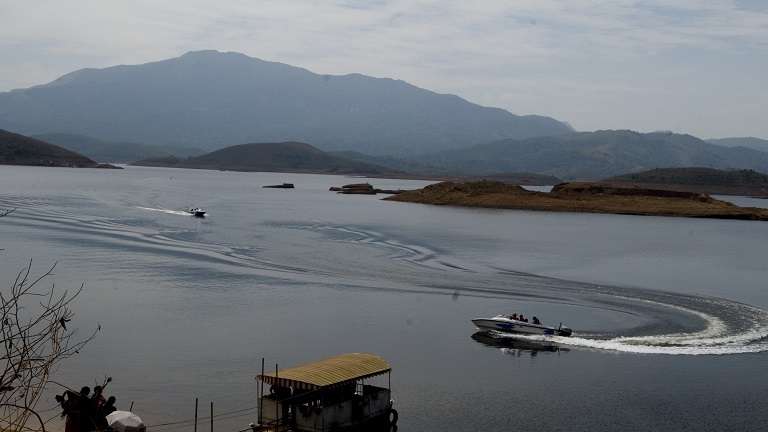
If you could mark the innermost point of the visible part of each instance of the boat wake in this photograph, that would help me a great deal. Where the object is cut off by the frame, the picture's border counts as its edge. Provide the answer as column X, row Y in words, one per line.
column 719, row 337
column 133, row 238
column 418, row 255
column 671, row 323
column 166, row 211
column 664, row 322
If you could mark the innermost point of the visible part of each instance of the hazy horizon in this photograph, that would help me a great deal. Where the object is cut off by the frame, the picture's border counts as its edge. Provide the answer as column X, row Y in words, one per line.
column 687, row 66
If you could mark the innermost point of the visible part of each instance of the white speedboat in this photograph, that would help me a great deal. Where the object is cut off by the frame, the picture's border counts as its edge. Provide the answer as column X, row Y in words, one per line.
column 505, row 324
column 196, row 212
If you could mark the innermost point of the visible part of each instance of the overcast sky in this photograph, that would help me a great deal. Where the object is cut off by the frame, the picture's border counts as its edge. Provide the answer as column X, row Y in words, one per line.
column 695, row 66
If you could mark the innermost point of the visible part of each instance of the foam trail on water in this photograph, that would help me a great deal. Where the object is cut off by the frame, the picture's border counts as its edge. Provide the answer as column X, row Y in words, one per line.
column 419, row 255
column 717, row 338
column 167, row 211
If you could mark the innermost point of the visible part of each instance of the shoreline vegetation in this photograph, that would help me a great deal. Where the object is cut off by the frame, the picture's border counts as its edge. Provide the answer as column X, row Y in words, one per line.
column 580, row 197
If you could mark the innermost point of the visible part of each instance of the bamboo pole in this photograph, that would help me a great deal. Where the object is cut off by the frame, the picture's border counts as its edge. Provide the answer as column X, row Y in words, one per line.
column 195, row 414
column 277, row 389
column 261, row 385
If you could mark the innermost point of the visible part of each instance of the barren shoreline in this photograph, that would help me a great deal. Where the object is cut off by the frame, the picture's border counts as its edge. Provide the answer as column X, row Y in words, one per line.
column 581, row 197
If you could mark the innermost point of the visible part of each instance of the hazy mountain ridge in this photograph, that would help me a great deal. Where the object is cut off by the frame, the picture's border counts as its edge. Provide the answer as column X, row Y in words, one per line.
column 422, row 169
column 594, row 155
column 272, row 157
column 208, row 99
column 749, row 142
column 700, row 180
column 104, row 151
column 396, row 163
column 697, row 176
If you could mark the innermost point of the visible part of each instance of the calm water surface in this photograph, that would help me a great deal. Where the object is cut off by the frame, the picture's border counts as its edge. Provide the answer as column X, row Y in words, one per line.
column 669, row 313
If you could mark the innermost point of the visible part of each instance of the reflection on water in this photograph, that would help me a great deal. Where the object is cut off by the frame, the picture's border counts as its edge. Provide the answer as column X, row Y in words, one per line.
column 508, row 344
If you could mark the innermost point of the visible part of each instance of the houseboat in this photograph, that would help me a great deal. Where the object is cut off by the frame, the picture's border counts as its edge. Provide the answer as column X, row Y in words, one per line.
column 349, row 392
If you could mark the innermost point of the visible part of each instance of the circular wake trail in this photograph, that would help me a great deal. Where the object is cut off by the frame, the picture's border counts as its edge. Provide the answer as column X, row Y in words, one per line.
column 717, row 338
column 672, row 323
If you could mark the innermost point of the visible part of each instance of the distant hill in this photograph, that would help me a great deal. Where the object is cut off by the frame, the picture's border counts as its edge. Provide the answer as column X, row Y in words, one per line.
column 749, row 142
column 595, row 155
column 18, row 149
column 395, row 163
column 272, row 157
column 424, row 170
column 206, row 98
column 701, row 180
column 104, row 151
column 523, row 178
column 164, row 161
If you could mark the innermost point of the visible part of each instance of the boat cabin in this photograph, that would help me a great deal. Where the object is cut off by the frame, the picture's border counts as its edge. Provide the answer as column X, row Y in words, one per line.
column 338, row 393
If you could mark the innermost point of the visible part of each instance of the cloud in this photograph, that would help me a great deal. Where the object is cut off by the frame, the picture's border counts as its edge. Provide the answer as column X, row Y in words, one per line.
column 592, row 63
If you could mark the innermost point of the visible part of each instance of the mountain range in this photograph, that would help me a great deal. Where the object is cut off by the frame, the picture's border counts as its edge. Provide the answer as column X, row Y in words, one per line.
column 699, row 180
column 749, row 142
column 170, row 111
column 212, row 99
column 595, row 155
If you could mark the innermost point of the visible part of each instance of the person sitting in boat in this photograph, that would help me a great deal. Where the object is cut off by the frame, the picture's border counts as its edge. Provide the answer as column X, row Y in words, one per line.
column 521, row 318
column 536, row 321
column 513, row 316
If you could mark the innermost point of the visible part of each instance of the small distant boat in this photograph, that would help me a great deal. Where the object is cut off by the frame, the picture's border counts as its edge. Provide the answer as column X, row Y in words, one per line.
column 196, row 212
column 505, row 324
column 280, row 186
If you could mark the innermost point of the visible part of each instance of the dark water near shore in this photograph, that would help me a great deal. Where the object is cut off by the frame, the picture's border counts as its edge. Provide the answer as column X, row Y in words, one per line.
column 669, row 313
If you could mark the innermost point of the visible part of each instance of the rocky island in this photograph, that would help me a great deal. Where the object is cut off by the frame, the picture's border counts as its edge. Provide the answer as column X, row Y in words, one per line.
column 581, row 197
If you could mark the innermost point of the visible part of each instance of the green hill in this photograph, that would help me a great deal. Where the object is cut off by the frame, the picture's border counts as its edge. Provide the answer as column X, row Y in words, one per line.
column 273, row 157
column 18, row 149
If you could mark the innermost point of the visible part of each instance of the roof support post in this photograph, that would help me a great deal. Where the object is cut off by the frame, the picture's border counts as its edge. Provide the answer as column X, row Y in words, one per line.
column 277, row 402
column 260, row 390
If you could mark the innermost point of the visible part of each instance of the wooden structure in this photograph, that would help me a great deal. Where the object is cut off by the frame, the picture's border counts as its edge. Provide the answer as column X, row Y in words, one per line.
column 329, row 395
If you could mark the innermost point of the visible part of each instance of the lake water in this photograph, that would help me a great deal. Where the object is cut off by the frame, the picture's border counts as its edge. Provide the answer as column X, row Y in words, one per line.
column 669, row 313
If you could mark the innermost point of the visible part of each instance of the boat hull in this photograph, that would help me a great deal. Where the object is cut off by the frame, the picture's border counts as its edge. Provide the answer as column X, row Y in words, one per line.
column 505, row 325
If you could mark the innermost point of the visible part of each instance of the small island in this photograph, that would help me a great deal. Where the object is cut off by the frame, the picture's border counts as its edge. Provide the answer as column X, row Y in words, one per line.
column 580, row 197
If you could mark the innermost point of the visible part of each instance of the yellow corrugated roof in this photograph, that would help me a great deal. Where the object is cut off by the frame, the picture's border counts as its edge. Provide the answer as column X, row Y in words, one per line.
column 334, row 370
